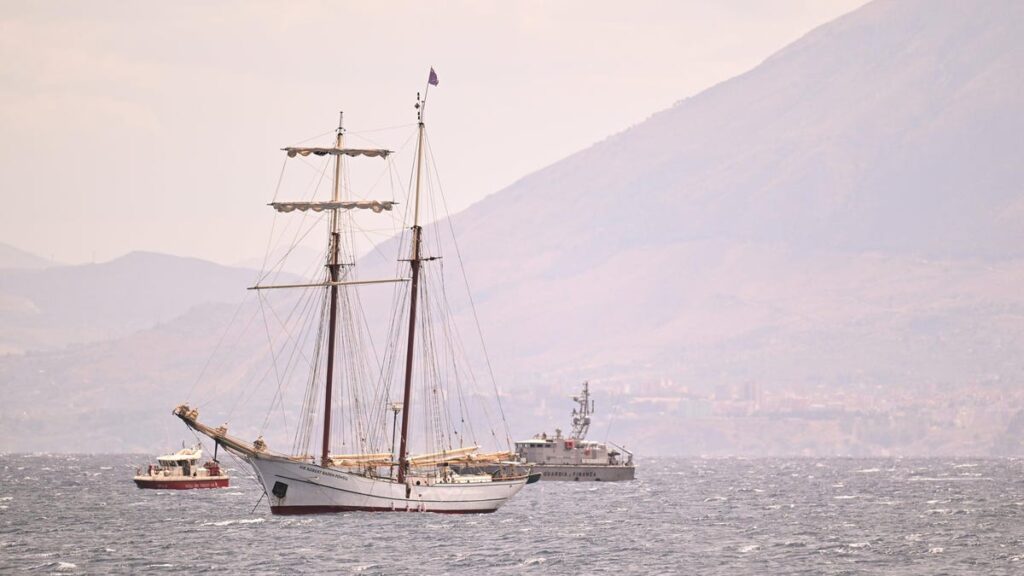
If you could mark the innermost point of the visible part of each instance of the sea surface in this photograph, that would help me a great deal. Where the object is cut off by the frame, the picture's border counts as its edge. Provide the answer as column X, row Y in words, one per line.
column 78, row 514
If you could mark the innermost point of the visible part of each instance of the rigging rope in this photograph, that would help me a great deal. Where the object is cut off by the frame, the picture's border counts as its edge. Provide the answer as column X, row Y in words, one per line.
column 216, row 348
column 472, row 302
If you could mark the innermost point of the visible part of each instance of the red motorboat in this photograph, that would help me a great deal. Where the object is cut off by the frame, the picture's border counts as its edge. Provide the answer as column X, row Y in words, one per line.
column 181, row 471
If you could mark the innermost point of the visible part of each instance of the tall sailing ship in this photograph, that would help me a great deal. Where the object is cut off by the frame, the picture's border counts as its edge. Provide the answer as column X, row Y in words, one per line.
column 448, row 476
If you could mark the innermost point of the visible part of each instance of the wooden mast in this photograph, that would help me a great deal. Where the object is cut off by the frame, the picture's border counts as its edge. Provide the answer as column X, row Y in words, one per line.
column 333, row 266
column 414, row 262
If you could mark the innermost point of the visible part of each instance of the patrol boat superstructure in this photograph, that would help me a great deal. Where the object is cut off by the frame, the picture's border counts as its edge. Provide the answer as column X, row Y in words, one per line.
column 575, row 458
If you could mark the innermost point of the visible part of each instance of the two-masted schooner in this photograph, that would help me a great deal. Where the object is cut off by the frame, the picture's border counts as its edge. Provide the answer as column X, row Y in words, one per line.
column 375, row 480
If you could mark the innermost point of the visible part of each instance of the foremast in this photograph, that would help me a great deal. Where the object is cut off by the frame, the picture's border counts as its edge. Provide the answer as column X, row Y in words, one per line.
column 333, row 268
column 333, row 261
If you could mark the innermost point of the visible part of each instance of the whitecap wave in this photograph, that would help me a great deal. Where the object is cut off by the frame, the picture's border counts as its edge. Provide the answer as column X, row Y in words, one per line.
column 231, row 522
column 750, row 548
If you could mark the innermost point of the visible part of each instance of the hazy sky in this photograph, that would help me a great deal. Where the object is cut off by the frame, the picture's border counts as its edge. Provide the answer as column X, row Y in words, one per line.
column 156, row 125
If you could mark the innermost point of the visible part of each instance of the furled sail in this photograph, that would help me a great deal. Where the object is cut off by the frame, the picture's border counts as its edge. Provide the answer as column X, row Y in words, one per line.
column 372, row 152
column 380, row 459
column 452, row 458
column 377, row 206
column 444, row 456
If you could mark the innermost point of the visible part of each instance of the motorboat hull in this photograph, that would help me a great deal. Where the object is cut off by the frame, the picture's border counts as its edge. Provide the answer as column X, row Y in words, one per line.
column 181, row 483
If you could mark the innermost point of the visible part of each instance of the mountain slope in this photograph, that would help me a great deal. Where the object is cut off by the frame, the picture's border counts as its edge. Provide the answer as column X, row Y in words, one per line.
column 117, row 395
column 846, row 215
column 11, row 257
column 894, row 128
column 44, row 309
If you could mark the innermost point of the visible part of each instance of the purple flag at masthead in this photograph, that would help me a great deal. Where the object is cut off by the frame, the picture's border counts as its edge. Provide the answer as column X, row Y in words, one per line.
column 433, row 77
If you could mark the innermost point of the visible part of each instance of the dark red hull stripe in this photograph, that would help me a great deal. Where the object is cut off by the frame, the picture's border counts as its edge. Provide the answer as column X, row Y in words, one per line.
column 182, row 484
column 293, row 510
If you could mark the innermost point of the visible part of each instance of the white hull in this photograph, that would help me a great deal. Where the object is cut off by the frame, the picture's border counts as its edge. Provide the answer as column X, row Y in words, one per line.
column 312, row 489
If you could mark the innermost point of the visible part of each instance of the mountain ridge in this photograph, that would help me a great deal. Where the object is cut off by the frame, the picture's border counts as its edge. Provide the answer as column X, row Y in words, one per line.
column 678, row 168
column 14, row 257
column 44, row 309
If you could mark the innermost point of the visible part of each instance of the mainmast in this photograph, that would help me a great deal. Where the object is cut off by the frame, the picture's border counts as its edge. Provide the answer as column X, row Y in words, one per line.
column 414, row 263
column 333, row 266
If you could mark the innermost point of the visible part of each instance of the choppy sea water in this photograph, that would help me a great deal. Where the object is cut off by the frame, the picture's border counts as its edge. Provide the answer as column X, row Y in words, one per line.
column 82, row 514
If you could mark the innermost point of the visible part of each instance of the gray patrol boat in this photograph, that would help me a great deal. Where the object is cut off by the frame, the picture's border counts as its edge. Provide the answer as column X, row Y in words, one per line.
column 575, row 458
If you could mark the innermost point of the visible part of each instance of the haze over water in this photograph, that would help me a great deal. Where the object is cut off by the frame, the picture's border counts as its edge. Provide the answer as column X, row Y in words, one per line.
column 81, row 514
